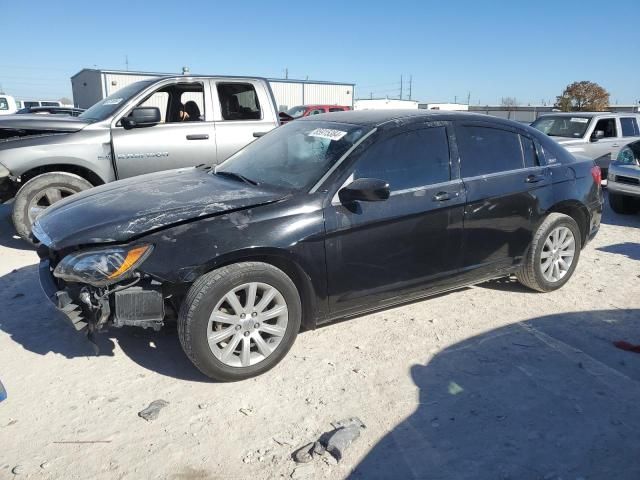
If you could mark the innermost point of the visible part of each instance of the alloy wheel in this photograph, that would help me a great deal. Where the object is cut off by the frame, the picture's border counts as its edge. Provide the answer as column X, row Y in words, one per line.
column 557, row 254
column 45, row 199
column 247, row 324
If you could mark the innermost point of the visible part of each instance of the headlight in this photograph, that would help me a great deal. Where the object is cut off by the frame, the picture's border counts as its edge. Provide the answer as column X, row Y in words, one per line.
column 102, row 267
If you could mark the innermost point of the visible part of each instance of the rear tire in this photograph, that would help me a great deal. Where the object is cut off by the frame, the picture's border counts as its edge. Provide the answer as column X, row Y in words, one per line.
column 41, row 192
column 534, row 272
column 623, row 204
column 217, row 348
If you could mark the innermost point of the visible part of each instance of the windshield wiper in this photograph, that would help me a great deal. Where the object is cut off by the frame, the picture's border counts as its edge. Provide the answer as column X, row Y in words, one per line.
column 237, row 176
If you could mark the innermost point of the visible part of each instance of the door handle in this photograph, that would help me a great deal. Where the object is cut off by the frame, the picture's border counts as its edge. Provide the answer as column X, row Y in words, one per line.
column 259, row 134
column 441, row 197
column 534, row 178
column 200, row 136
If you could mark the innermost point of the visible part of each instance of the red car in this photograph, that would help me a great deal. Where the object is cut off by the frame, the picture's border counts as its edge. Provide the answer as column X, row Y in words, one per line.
column 306, row 110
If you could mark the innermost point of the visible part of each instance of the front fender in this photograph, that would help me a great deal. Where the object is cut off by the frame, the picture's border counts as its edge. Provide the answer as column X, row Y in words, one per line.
column 90, row 150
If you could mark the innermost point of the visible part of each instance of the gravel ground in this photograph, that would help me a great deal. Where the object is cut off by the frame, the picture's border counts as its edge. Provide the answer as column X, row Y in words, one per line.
column 492, row 381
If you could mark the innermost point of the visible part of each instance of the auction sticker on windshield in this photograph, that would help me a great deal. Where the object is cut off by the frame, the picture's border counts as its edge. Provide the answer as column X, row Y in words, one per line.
column 113, row 101
column 328, row 133
column 579, row 119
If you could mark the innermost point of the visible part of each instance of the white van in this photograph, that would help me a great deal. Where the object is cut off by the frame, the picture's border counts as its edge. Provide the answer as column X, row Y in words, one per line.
column 7, row 104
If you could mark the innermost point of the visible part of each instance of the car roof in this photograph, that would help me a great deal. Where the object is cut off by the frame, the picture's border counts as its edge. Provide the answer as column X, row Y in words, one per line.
column 376, row 118
column 587, row 114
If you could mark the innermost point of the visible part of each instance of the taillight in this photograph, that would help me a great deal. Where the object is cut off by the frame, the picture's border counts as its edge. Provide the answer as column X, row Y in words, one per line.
column 596, row 173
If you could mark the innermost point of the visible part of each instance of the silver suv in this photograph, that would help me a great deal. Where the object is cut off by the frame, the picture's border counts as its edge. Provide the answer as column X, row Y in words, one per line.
column 596, row 135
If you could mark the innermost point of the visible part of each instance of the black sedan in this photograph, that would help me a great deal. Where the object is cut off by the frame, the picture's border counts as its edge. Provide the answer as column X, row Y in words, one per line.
column 322, row 219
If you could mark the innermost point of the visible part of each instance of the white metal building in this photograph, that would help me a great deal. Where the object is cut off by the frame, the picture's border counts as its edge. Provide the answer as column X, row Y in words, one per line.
column 452, row 107
column 384, row 104
column 91, row 85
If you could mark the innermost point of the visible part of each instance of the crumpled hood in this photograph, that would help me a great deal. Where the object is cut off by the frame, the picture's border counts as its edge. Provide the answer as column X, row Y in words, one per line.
column 30, row 124
column 119, row 211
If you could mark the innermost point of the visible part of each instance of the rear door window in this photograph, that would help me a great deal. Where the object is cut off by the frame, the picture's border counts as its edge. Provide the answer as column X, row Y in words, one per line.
column 408, row 160
column 629, row 127
column 486, row 150
column 239, row 101
column 4, row 105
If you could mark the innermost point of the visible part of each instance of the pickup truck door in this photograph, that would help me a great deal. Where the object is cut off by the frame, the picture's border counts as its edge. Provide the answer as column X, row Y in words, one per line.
column 178, row 141
column 603, row 150
column 243, row 110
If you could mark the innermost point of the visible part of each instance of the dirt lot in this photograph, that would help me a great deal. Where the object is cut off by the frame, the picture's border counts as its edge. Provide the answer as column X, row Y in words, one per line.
column 490, row 382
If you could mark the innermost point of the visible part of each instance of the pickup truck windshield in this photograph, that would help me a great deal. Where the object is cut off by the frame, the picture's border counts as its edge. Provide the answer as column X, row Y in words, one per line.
column 293, row 156
column 562, row 126
column 107, row 106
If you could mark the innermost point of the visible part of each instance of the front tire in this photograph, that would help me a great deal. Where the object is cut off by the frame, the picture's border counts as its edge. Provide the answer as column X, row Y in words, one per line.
column 40, row 193
column 623, row 204
column 240, row 320
column 553, row 255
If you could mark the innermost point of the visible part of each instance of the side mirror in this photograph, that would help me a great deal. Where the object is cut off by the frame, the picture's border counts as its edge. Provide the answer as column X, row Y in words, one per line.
column 365, row 190
column 142, row 117
column 284, row 117
column 597, row 135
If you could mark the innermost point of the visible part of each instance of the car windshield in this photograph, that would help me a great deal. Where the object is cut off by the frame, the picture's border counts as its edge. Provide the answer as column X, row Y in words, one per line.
column 562, row 126
column 104, row 108
column 293, row 156
column 296, row 112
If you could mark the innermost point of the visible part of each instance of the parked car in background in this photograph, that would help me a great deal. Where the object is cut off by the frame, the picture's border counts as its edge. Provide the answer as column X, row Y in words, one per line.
column 624, row 180
column 8, row 104
column 71, row 111
column 597, row 135
column 324, row 218
column 306, row 110
column 151, row 125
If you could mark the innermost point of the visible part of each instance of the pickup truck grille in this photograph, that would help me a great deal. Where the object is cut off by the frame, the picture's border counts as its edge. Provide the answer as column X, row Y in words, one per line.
column 628, row 180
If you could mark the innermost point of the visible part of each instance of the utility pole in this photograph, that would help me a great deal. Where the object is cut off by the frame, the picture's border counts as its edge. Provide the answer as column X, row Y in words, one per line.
column 468, row 98
column 126, row 62
column 400, row 87
column 370, row 95
column 410, row 82
column 455, row 99
column 286, row 72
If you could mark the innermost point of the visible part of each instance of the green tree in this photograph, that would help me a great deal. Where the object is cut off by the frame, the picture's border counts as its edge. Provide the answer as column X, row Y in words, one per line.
column 583, row 97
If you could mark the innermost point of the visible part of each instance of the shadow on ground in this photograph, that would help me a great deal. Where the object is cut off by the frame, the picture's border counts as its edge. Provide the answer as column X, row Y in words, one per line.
column 630, row 250
column 30, row 321
column 8, row 236
column 612, row 218
column 547, row 398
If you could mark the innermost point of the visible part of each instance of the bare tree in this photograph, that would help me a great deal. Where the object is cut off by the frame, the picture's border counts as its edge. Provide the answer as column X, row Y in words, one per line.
column 65, row 101
column 509, row 103
column 583, row 96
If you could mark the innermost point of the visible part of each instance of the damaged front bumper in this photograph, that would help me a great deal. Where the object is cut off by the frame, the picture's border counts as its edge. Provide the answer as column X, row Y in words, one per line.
column 90, row 309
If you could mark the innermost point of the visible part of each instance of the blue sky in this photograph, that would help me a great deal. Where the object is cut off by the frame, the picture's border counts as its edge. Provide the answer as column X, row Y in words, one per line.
column 490, row 49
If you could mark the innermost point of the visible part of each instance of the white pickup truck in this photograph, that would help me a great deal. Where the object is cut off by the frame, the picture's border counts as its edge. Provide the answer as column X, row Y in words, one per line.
column 151, row 125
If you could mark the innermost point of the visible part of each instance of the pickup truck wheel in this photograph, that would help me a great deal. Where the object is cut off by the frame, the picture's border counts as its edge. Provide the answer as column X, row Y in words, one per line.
column 240, row 320
column 553, row 255
column 41, row 192
column 623, row 204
